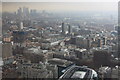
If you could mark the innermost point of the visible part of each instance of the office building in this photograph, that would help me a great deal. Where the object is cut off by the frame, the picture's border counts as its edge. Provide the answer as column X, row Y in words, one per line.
column 99, row 43
column 26, row 13
column 63, row 28
column 104, row 40
column 69, row 29
column 19, row 14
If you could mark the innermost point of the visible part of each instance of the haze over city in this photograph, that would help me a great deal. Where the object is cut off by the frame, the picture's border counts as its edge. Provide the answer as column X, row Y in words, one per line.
column 60, row 40
column 61, row 6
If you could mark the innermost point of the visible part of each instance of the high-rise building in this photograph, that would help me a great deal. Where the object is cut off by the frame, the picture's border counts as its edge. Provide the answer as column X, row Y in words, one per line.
column 88, row 43
column 63, row 28
column 33, row 13
column 104, row 40
column 69, row 29
column 20, row 25
column 99, row 42
column 23, row 13
column 26, row 13
column 19, row 13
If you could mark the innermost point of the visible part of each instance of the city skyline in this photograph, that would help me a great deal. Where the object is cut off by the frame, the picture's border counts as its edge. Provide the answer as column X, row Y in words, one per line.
column 61, row 6
column 62, row 40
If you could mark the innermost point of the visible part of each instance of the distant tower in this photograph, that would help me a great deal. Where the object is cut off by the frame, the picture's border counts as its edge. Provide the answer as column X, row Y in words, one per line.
column 63, row 28
column 88, row 43
column 69, row 29
column 19, row 13
column 21, row 25
column 26, row 13
column 99, row 43
column 104, row 40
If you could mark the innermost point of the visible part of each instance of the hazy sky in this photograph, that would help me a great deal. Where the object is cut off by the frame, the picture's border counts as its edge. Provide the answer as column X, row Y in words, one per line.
column 60, row 0
column 62, row 6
